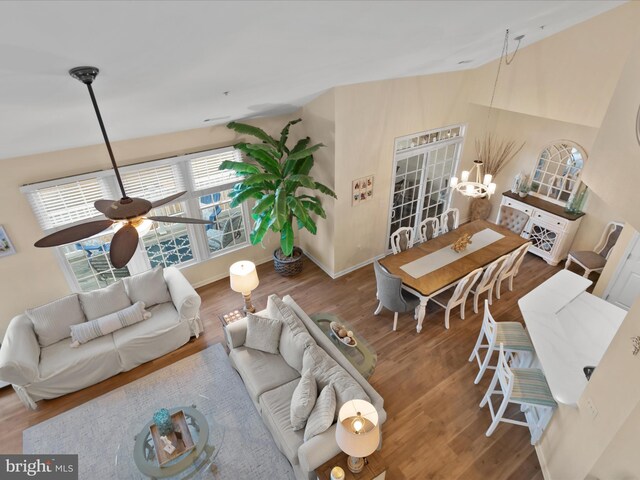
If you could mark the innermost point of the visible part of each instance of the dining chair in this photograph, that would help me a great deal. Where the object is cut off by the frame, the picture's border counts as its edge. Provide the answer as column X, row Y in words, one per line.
column 459, row 296
column 401, row 240
column 429, row 228
column 488, row 281
column 526, row 387
column 449, row 220
column 511, row 335
column 513, row 219
column 391, row 295
column 594, row 261
column 511, row 267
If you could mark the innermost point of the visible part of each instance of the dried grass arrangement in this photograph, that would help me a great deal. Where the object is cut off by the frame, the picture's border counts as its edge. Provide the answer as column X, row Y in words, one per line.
column 495, row 154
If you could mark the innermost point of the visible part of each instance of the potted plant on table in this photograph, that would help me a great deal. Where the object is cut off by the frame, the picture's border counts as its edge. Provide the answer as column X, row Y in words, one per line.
column 273, row 176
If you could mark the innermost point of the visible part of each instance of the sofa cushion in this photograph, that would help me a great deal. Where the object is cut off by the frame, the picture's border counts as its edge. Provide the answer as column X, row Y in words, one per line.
column 322, row 414
column 86, row 331
column 102, row 302
column 148, row 287
column 326, row 370
column 61, row 360
column 294, row 337
column 52, row 321
column 157, row 336
column 275, row 405
column 263, row 333
column 303, row 400
column 261, row 371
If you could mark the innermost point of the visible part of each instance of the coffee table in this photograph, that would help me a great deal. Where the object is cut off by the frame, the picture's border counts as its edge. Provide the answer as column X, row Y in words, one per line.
column 207, row 436
column 362, row 356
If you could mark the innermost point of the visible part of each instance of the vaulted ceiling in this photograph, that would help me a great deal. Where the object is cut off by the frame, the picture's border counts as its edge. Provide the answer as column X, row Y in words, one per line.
column 165, row 66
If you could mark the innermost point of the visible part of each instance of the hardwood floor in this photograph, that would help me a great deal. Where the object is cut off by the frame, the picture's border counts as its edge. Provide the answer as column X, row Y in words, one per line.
column 434, row 429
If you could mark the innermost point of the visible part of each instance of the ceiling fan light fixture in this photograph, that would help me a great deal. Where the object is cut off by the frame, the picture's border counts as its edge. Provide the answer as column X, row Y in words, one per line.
column 142, row 225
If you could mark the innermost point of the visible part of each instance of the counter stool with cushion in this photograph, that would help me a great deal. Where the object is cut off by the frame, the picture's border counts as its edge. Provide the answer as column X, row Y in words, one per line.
column 391, row 295
column 526, row 387
column 594, row 261
column 510, row 334
column 513, row 219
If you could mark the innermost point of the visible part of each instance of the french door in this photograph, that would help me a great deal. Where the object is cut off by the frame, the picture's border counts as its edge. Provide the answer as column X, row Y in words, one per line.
column 422, row 174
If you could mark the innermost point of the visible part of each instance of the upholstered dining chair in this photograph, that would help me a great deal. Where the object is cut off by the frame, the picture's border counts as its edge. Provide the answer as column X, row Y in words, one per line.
column 459, row 296
column 429, row 228
column 594, row 261
column 401, row 239
column 513, row 219
column 511, row 268
column 391, row 295
column 488, row 281
column 449, row 220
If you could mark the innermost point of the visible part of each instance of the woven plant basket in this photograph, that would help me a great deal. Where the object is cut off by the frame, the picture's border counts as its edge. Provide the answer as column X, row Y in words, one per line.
column 288, row 266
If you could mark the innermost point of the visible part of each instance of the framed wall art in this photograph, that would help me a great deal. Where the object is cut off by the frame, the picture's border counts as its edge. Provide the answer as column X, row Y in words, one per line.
column 361, row 190
column 6, row 247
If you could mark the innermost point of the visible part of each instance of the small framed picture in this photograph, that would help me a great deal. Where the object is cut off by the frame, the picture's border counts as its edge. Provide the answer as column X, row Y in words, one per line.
column 362, row 189
column 6, row 247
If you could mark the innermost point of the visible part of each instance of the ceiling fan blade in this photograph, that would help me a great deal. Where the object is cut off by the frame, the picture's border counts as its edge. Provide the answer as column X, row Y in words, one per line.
column 73, row 234
column 103, row 206
column 168, row 199
column 199, row 221
column 123, row 246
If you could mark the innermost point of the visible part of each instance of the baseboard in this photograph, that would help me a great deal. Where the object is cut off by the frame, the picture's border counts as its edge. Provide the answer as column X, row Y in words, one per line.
column 225, row 274
column 335, row 275
column 322, row 266
column 543, row 464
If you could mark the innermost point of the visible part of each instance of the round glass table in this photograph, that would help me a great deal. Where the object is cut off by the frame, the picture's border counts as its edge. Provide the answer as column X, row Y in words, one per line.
column 141, row 460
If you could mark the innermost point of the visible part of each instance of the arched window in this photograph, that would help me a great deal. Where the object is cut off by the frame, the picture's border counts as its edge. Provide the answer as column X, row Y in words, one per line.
column 557, row 172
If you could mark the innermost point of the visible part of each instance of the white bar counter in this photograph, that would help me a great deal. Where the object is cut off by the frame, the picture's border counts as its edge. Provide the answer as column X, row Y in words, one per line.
column 570, row 329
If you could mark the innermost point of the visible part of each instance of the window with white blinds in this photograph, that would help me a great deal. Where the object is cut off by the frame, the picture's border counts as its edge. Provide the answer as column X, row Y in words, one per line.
column 153, row 183
column 60, row 203
column 205, row 169
column 66, row 203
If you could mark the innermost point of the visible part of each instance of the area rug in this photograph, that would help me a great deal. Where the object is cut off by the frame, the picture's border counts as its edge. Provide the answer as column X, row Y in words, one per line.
column 101, row 431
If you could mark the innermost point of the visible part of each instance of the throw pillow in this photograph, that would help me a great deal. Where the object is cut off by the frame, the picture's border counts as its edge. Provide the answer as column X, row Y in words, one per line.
column 323, row 413
column 263, row 333
column 148, row 287
column 51, row 322
column 303, row 400
column 294, row 337
column 102, row 302
column 83, row 332
column 326, row 370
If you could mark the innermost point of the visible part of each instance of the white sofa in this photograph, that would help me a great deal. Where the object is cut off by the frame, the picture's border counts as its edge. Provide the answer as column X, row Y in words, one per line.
column 47, row 372
column 271, row 380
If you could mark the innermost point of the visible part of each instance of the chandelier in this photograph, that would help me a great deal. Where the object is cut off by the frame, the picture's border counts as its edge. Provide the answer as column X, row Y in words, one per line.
column 482, row 186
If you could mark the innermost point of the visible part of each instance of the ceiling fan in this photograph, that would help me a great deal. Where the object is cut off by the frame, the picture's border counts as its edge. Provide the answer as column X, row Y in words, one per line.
column 127, row 215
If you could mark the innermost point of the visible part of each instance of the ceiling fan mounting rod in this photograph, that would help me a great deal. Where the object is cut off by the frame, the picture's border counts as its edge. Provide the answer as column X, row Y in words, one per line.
column 86, row 75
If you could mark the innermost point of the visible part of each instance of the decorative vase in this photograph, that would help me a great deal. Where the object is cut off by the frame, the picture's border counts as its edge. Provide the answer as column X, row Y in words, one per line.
column 162, row 419
column 522, row 194
column 288, row 266
column 480, row 208
column 576, row 203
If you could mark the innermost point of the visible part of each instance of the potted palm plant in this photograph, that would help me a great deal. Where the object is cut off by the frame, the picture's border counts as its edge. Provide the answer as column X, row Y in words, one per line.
column 273, row 175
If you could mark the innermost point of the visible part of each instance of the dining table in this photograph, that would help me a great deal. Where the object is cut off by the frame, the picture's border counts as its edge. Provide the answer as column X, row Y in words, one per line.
column 432, row 267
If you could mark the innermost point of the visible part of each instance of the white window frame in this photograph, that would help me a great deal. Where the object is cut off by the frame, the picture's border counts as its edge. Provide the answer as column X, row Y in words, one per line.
column 190, row 203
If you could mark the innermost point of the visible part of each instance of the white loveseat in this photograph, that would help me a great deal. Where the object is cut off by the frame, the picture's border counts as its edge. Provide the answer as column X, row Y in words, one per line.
column 38, row 372
column 271, row 380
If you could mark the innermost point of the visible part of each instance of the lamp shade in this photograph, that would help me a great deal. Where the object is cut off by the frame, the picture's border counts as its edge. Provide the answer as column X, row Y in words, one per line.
column 357, row 430
column 243, row 276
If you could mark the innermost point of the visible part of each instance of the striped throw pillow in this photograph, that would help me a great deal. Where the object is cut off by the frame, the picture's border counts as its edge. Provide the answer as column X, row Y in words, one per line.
column 323, row 413
column 83, row 332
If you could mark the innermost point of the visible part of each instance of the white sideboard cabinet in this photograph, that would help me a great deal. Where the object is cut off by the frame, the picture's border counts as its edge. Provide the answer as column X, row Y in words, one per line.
column 550, row 229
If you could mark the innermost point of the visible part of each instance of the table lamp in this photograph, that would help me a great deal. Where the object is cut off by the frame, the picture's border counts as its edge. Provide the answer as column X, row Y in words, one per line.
column 357, row 432
column 244, row 278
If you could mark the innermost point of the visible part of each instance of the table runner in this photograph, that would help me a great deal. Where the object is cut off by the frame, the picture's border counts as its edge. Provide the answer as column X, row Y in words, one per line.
column 444, row 256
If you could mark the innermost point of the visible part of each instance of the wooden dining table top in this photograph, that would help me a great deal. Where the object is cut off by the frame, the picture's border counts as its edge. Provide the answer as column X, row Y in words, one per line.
column 438, row 279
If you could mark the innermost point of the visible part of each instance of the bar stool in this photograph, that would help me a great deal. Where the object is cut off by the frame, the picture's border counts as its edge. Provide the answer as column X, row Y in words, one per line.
column 510, row 334
column 526, row 387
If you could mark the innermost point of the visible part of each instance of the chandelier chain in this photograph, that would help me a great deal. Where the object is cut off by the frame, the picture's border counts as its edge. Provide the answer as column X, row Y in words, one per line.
column 504, row 55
